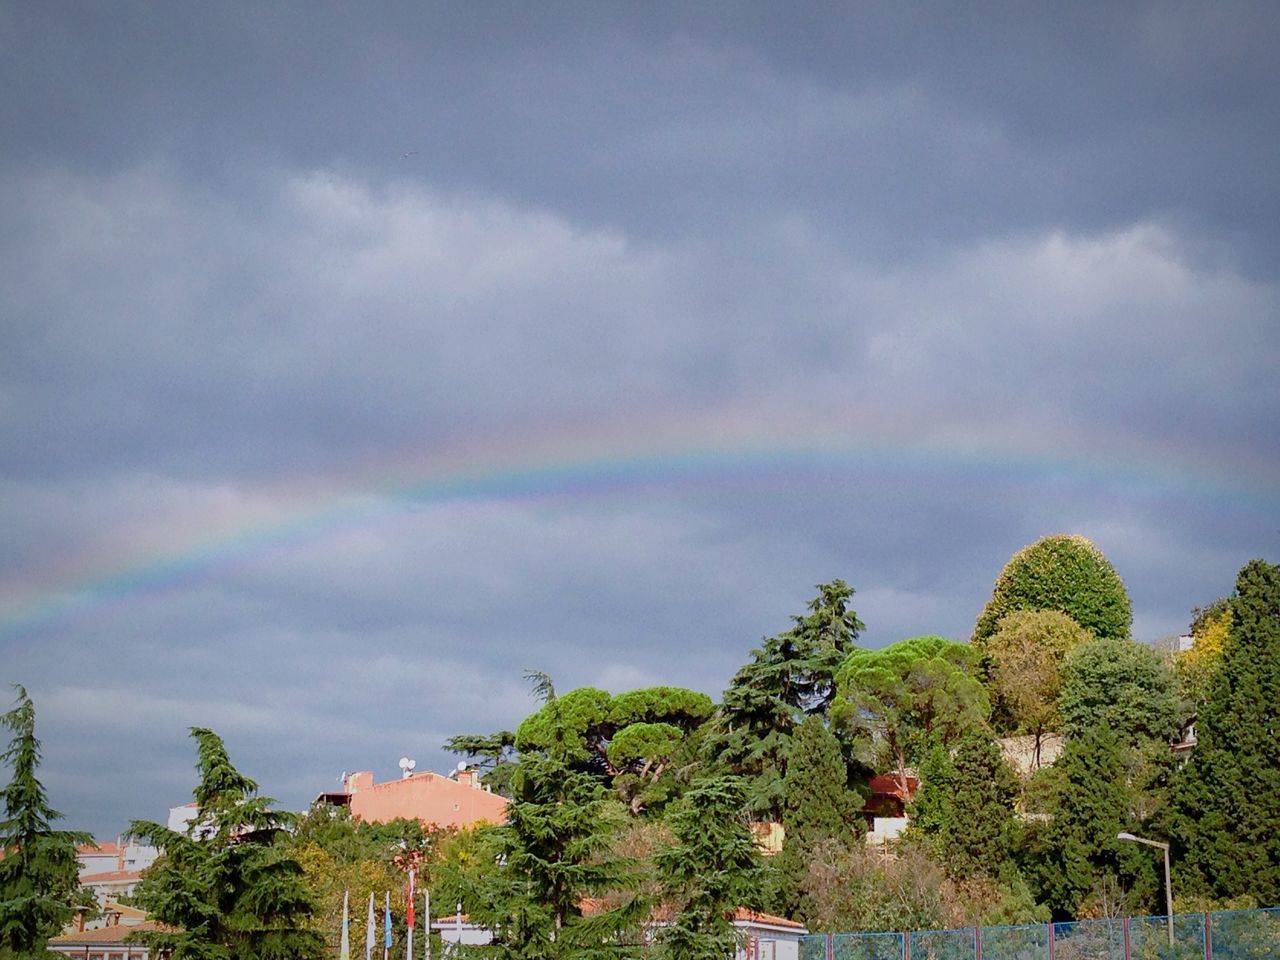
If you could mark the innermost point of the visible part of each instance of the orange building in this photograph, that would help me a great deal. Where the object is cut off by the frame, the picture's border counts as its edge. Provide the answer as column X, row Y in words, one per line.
column 457, row 801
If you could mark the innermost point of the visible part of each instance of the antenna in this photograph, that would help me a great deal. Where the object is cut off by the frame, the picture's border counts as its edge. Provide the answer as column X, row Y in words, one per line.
column 406, row 767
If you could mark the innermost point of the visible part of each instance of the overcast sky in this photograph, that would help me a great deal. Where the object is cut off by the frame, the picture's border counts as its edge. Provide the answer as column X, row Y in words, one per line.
column 355, row 361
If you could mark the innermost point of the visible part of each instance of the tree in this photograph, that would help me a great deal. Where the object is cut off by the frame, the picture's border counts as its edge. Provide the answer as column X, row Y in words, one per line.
column 964, row 810
column 554, row 852
column 819, row 806
column 492, row 753
column 228, row 886
column 1078, row 859
column 629, row 740
column 1122, row 684
column 1196, row 667
column 895, row 700
column 789, row 677
column 1228, row 799
column 38, row 867
column 712, row 869
column 1064, row 572
column 1025, row 657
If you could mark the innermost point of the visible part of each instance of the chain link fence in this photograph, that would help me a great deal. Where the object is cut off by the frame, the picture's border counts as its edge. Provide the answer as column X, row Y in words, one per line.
column 1222, row 935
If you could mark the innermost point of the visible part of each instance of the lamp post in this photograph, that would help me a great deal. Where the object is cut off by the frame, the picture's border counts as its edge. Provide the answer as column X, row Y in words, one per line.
column 1168, row 883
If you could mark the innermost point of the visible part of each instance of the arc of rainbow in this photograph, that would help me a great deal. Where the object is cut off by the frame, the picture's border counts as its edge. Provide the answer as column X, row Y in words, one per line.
column 552, row 479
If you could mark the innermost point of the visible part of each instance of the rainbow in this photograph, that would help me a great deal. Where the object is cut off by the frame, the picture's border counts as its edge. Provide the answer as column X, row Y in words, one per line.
column 555, row 473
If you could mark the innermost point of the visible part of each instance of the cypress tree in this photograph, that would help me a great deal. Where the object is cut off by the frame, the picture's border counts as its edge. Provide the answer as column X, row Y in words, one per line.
column 819, row 806
column 38, row 868
column 1227, row 801
column 965, row 807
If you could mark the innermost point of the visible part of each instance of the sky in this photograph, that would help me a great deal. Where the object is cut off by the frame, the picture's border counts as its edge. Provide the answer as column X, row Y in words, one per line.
column 357, row 359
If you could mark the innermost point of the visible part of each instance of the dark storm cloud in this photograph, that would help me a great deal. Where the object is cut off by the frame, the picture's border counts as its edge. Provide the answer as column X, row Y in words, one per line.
column 1013, row 270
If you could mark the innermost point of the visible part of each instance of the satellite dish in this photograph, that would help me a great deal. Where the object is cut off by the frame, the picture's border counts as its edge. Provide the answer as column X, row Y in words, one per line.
column 407, row 765
column 462, row 766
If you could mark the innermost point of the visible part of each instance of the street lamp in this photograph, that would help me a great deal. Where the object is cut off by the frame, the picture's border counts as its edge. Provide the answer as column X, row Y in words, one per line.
column 1168, row 884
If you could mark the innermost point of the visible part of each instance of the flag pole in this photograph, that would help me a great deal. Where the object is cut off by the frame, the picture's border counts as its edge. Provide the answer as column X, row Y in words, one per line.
column 426, row 923
column 408, row 918
column 344, row 951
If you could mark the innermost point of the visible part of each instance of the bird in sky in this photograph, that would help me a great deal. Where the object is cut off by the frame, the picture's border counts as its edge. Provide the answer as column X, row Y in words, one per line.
column 408, row 153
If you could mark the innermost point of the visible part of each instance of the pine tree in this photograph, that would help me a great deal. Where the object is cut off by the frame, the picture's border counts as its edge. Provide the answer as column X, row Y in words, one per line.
column 38, row 867
column 712, row 869
column 789, row 677
column 819, row 806
column 227, row 886
column 1227, row 802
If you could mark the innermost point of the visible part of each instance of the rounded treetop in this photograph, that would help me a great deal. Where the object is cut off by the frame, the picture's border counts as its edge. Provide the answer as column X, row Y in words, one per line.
column 1063, row 572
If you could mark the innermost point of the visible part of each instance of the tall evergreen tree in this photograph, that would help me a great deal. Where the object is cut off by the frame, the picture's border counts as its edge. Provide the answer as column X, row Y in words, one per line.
column 554, row 853
column 819, row 807
column 228, row 886
column 789, row 677
column 1080, row 855
column 38, row 868
column 964, row 810
column 712, row 868
column 1227, row 802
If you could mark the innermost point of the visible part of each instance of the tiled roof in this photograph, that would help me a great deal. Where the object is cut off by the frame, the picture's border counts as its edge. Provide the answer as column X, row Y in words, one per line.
column 107, row 848
column 111, row 876
column 104, row 934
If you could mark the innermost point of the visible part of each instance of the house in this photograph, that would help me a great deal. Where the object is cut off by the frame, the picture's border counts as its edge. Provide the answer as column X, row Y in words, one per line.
column 103, row 943
column 455, row 801
column 106, row 857
column 886, row 809
column 111, row 884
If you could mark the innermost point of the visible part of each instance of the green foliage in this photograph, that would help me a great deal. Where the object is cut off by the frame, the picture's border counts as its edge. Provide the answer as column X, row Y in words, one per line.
column 1122, row 684
column 1077, row 860
column 38, row 868
column 1024, row 662
column 894, row 701
column 712, row 868
column 1228, row 800
column 629, row 740
column 964, row 809
column 1197, row 667
column 552, row 855
column 819, row 806
column 849, row 886
column 229, row 886
column 493, row 754
column 1065, row 573
column 788, row 677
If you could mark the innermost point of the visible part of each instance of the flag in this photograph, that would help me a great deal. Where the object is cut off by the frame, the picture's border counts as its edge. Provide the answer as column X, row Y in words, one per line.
column 408, row 916
column 386, row 924
column 344, row 951
column 370, row 931
column 408, row 919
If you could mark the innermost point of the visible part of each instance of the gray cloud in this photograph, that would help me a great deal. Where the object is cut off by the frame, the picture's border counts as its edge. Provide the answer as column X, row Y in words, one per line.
column 667, row 319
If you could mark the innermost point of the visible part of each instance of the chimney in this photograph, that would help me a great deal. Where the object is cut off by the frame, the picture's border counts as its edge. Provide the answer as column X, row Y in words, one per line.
column 468, row 778
column 359, row 781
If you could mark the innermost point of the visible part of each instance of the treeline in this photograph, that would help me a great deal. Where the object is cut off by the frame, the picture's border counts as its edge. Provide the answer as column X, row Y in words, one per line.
column 653, row 802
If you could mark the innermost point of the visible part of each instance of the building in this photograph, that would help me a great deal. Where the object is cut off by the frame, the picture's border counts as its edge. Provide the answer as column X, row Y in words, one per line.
column 106, row 857
column 102, row 943
column 456, row 801
column 886, row 809
column 111, row 884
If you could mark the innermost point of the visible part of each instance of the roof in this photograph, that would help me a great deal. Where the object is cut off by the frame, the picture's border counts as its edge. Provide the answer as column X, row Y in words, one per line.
column 111, row 876
column 104, row 934
column 107, row 848
column 743, row 915
column 886, row 785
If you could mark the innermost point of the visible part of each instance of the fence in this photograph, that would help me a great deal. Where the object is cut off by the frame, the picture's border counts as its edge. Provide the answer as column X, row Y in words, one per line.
column 1223, row 935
